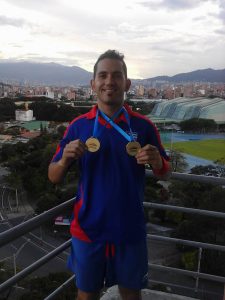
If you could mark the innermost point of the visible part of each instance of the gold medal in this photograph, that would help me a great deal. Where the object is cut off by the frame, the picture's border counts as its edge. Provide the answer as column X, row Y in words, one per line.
column 92, row 144
column 132, row 148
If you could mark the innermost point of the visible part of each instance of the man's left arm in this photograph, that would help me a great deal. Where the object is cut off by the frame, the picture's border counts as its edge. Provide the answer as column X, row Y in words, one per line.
column 150, row 154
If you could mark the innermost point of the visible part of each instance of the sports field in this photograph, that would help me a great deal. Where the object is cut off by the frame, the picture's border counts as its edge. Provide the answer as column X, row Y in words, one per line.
column 207, row 149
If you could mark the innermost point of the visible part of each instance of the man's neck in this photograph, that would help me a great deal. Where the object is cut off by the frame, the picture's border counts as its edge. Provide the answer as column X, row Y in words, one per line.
column 109, row 110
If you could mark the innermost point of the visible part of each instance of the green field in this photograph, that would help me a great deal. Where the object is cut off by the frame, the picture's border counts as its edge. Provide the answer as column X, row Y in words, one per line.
column 208, row 149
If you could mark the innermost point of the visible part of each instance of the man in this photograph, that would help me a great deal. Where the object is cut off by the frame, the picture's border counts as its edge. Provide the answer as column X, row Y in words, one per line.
column 112, row 145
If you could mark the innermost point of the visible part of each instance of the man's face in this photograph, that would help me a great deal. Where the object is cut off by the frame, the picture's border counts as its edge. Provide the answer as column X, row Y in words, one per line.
column 110, row 82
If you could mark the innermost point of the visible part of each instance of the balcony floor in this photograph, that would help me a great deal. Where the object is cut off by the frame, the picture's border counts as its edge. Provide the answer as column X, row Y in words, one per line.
column 113, row 294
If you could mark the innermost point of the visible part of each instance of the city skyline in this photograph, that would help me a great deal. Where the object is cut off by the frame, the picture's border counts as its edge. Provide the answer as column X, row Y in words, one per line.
column 157, row 37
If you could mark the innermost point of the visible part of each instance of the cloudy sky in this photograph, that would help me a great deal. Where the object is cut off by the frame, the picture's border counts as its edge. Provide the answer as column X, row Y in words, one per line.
column 158, row 37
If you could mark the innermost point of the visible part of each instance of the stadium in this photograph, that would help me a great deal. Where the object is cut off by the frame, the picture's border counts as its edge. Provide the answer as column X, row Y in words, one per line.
column 180, row 109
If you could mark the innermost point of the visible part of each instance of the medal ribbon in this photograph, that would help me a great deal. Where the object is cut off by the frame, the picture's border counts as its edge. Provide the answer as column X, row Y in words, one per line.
column 97, row 131
column 128, row 137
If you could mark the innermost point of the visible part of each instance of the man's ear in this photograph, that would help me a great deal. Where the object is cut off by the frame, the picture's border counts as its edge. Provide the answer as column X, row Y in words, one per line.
column 128, row 84
column 92, row 85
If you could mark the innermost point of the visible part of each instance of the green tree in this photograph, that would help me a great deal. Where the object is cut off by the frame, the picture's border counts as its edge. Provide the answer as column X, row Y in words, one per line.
column 190, row 259
column 61, row 130
column 14, row 180
column 46, row 201
column 202, row 228
column 177, row 161
column 220, row 161
column 50, row 111
column 28, row 165
column 7, row 109
column 209, row 170
column 198, row 125
column 7, row 151
column 41, row 287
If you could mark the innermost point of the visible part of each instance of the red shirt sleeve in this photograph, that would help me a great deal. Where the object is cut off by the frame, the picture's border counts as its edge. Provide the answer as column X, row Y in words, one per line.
column 164, row 170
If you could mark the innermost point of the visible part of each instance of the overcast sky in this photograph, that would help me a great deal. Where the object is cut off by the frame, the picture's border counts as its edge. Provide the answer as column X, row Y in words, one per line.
column 157, row 37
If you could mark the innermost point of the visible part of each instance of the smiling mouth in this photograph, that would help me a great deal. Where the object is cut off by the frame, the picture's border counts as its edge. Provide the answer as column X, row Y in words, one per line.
column 109, row 93
column 109, row 90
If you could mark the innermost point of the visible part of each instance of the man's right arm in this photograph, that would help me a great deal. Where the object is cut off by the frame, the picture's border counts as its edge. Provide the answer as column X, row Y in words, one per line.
column 57, row 170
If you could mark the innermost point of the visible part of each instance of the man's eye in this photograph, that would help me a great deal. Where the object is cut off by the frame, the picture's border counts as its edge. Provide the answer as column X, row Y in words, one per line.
column 118, row 75
column 101, row 75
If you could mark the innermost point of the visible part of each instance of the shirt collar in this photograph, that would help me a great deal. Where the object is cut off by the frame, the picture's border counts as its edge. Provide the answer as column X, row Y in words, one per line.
column 92, row 113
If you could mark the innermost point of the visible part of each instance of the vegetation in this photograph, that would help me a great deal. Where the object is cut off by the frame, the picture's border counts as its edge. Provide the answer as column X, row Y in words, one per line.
column 190, row 259
column 209, row 230
column 7, row 110
column 198, row 125
column 141, row 107
column 44, row 109
column 177, row 161
column 28, row 164
column 209, row 170
column 50, row 111
column 193, row 227
column 208, row 149
column 39, row 288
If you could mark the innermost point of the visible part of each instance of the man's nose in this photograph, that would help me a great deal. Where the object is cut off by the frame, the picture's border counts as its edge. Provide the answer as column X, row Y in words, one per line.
column 110, row 79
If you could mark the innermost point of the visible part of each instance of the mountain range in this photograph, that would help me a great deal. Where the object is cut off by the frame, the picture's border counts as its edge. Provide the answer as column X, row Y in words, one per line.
column 43, row 74
column 60, row 75
column 204, row 75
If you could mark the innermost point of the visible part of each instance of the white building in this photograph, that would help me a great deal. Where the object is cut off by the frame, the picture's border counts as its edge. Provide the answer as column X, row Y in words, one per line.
column 49, row 93
column 24, row 114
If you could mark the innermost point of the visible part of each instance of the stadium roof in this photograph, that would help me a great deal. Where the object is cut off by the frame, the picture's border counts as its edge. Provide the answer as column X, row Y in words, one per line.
column 180, row 109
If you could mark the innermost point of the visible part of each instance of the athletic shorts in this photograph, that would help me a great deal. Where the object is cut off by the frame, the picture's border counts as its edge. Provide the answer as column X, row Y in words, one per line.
column 97, row 265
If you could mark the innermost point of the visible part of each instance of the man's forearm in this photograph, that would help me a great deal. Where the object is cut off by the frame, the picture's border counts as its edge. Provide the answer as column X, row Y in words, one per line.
column 57, row 171
column 165, row 172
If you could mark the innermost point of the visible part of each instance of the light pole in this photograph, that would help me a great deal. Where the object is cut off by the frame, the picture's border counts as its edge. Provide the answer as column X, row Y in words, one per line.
column 15, row 255
column 9, row 190
column 8, row 199
column 171, row 141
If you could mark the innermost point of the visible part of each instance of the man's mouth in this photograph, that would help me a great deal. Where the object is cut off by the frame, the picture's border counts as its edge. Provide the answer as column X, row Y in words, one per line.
column 109, row 90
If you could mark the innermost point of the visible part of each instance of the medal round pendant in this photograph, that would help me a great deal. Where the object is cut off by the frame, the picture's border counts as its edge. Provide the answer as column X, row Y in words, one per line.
column 92, row 144
column 132, row 148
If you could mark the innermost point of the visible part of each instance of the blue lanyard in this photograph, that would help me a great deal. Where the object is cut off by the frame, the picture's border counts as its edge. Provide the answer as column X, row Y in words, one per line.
column 97, row 131
column 120, row 130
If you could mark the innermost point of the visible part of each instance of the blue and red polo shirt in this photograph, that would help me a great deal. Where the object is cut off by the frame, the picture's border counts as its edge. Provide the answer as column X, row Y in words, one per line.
column 110, row 193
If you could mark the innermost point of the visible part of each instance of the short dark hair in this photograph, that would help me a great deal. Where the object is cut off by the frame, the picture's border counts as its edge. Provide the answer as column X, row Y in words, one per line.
column 111, row 54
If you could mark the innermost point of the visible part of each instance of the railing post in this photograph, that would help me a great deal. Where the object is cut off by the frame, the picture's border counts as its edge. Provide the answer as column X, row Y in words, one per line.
column 14, row 263
column 3, row 192
column 198, row 270
column 17, row 201
column 41, row 235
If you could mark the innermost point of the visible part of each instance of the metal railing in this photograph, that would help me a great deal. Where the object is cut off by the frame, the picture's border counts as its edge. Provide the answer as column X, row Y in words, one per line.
column 25, row 227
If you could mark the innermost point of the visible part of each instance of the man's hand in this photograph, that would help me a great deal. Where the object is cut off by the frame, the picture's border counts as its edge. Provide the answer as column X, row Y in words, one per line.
column 72, row 151
column 149, row 154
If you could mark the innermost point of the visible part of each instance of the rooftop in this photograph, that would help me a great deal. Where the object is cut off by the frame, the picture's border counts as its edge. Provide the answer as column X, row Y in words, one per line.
column 187, row 108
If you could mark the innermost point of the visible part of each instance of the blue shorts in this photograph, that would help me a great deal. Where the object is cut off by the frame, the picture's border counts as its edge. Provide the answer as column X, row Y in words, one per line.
column 97, row 265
